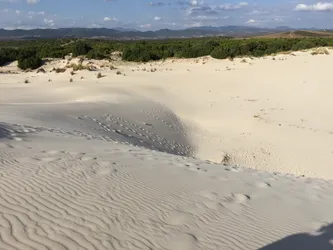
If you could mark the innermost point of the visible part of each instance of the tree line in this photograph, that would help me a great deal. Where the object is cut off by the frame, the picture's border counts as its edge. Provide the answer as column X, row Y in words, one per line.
column 30, row 53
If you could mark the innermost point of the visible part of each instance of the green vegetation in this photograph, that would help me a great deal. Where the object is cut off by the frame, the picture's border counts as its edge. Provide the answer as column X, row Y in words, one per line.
column 28, row 59
column 29, row 52
column 7, row 55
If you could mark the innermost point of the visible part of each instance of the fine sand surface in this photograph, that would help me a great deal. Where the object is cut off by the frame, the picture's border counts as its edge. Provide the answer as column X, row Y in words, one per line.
column 272, row 113
column 180, row 154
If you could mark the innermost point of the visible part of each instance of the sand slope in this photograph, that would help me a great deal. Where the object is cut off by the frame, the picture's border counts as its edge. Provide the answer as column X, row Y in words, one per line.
column 271, row 113
column 127, row 161
column 61, row 191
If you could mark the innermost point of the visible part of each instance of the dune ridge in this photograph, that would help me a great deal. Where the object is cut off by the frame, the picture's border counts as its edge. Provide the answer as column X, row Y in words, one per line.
column 199, row 154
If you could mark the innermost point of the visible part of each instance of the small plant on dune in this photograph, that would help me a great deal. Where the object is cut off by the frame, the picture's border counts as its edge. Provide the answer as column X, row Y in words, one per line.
column 112, row 67
column 99, row 75
column 92, row 68
column 26, row 81
column 118, row 72
column 72, row 73
column 71, row 80
column 60, row 70
column 77, row 67
column 320, row 51
column 244, row 61
column 226, row 159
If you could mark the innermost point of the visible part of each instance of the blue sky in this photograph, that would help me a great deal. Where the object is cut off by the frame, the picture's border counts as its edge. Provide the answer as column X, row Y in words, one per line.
column 157, row 14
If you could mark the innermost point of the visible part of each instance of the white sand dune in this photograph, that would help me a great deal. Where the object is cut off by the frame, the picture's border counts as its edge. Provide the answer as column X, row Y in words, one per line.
column 127, row 162
column 63, row 190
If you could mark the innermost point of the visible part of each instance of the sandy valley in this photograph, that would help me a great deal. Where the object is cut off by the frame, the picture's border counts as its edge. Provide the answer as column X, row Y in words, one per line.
column 176, row 154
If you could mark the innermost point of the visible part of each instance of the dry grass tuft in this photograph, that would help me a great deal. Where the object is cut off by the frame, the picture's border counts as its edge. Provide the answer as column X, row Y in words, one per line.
column 320, row 51
column 60, row 70
column 77, row 67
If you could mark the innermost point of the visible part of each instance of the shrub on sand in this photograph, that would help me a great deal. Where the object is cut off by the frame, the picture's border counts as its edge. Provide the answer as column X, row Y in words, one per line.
column 32, row 62
column 77, row 67
column 320, row 51
column 60, row 70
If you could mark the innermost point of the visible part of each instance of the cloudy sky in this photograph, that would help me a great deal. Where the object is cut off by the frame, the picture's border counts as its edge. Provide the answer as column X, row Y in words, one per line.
column 157, row 14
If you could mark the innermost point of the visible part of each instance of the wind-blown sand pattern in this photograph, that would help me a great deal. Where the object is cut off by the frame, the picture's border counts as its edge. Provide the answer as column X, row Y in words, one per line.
column 62, row 191
column 121, row 165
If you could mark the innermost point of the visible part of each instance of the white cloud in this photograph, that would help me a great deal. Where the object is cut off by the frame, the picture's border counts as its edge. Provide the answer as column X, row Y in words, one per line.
column 49, row 22
column 18, row 12
column 145, row 26
column 251, row 21
column 8, row 1
column 258, row 12
column 32, row 13
column 157, row 18
column 194, row 3
column 94, row 25
column 109, row 19
column 237, row 6
column 315, row 7
column 193, row 25
column 32, row 1
column 206, row 18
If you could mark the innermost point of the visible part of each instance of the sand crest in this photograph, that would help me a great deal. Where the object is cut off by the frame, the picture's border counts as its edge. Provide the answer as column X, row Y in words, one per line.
column 220, row 155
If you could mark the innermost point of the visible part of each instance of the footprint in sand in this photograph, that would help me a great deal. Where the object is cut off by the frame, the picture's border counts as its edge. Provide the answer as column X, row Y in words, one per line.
column 17, row 138
column 106, row 171
column 183, row 241
column 211, row 200
column 75, row 153
column 48, row 159
column 263, row 184
column 52, row 152
column 209, row 195
column 88, row 158
column 178, row 218
column 237, row 198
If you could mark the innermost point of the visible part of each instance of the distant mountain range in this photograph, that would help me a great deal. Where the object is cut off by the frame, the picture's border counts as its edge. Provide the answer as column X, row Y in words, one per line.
column 132, row 34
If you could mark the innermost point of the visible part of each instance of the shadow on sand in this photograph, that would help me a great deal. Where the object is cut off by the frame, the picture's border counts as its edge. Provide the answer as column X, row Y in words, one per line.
column 321, row 240
column 4, row 131
column 138, row 122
